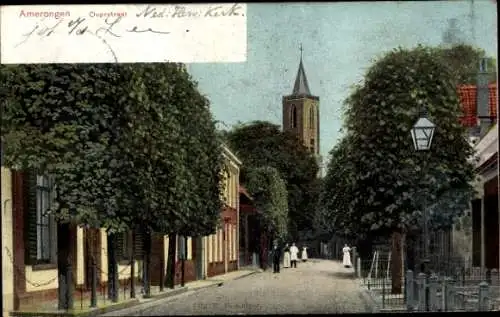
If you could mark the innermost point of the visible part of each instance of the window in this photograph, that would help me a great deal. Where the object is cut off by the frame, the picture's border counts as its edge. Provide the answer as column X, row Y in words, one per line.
column 311, row 118
column 46, row 229
column 126, row 245
column 215, row 253
column 293, row 117
column 181, row 247
column 209, row 249
column 312, row 144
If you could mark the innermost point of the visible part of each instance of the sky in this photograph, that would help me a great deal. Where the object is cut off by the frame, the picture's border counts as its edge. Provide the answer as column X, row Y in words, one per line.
column 340, row 41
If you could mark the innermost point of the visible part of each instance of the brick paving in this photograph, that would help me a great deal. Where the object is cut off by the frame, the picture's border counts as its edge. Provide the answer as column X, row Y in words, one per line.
column 318, row 286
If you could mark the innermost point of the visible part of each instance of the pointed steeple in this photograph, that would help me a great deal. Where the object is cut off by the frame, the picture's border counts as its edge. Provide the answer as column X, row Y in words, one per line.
column 301, row 86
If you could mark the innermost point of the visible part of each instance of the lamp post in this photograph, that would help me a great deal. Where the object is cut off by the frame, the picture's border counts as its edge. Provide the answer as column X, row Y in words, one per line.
column 422, row 134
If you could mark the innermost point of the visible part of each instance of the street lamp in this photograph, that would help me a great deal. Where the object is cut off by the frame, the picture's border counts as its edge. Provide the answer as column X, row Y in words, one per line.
column 422, row 134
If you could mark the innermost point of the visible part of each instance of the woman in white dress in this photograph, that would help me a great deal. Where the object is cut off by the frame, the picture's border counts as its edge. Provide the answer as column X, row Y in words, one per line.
column 286, row 256
column 294, row 252
column 304, row 254
column 347, row 256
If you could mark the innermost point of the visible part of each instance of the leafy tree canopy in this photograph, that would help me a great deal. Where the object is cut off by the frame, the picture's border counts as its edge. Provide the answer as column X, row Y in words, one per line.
column 262, row 143
column 120, row 140
column 463, row 62
column 270, row 196
column 376, row 181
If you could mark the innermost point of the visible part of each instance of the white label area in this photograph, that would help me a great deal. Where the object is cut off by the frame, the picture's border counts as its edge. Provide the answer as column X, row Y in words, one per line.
column 187, row 33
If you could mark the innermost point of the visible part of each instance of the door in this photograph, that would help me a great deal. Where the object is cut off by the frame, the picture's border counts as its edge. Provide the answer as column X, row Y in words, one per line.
column 92, row 248
column 157, row 266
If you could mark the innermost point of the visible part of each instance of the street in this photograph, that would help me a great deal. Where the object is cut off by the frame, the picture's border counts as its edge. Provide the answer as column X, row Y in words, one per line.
column 321, row 286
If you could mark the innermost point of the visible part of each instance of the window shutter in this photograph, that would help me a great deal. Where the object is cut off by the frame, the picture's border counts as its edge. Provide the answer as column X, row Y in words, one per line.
column 138, row 244
column 119, row 245
column 30, row 229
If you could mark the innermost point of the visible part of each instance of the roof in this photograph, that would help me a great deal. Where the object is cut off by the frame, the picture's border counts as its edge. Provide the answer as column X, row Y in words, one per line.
column 490, row 162
column 242, row 190
column 301, row 86
column 468, row 95
column 227, row 152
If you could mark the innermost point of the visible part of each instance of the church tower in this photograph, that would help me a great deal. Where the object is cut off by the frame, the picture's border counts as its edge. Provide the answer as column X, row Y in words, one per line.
column 301, row 113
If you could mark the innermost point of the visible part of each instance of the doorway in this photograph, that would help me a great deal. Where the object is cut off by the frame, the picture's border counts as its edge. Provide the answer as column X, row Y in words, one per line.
column 92, row 250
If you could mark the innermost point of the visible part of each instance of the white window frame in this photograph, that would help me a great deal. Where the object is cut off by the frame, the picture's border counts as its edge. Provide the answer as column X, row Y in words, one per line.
column 46, row 227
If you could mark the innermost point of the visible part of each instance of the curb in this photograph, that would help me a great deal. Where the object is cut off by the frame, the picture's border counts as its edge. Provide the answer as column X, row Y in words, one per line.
column 199, row 288
column 246, row 275
column 221, row 282
column 147, row 303
column 170, row 293
column 90, row 313
column 138, row 307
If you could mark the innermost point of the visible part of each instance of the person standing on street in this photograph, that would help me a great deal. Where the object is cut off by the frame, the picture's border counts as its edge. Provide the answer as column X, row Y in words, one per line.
column 276, row 258
column 286, row 256
column 294, row 253
column 304, row 254
column 347, row 256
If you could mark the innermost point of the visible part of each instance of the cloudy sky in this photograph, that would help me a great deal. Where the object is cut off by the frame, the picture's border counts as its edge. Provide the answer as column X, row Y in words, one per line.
column 340, row 41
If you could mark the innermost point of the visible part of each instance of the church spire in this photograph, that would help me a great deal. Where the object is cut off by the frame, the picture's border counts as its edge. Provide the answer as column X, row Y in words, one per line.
column 301, row 86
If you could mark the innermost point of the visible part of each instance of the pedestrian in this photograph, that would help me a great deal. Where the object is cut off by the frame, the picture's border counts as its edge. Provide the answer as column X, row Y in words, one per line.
column 304, row 254
column 286, row 256
column 347, row 256
column 294, row 253
column 276, row 258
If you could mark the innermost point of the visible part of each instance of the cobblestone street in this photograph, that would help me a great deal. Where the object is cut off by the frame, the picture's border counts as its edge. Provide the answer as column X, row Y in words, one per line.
column 321, row 286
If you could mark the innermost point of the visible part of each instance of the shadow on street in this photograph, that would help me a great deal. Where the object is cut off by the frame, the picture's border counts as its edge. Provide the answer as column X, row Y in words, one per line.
column 341, row 275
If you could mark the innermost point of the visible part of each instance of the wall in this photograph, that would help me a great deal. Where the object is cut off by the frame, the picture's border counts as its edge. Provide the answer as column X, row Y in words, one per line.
column 487, row 146
column 80, row 265
column 213, row 246
column 38, row 280
column 7, row 242
column 123, row 269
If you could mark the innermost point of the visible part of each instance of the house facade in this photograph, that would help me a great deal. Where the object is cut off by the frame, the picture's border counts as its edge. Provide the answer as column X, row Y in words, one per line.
column 29, row 243
column 250, row 231
column 484, row 209
column 7, row 242
column 476, row 235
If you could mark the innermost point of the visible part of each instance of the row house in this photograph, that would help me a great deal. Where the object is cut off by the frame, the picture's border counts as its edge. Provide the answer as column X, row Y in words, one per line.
column 253, row 239
column 29, row 242
column 477, row 240
column 484, row 208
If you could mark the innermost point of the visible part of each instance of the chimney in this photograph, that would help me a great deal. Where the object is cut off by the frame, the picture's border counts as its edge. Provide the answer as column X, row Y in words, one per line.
column 482, row 98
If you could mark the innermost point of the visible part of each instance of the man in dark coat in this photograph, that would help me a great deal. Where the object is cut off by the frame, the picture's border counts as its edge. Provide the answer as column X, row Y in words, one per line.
column 276, row 253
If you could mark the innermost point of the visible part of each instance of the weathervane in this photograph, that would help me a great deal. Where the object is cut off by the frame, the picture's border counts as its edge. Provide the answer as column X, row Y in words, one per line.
column 301, row 50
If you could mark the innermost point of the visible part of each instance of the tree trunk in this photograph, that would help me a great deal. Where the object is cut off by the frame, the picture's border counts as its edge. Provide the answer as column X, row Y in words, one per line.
column 365, row 253
column 172, row 246
column 64, row 269
column 112, row 268
column 396, row 265
column 147, row 262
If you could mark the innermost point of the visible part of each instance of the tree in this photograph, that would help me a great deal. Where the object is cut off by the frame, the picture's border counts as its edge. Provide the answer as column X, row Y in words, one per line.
column 463, row 62
column 386, row 181
column 117, row 140
column 261, row 143
column 51, row 124
column 197, row 213
column 270, row 196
